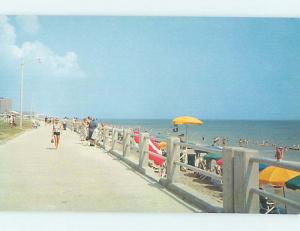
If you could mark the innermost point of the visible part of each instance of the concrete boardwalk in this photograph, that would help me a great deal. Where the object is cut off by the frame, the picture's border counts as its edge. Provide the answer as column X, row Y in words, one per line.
column 36, row 177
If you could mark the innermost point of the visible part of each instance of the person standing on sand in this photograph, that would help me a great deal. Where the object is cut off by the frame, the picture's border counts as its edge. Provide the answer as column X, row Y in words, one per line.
column 56, row 131
column 279, row 153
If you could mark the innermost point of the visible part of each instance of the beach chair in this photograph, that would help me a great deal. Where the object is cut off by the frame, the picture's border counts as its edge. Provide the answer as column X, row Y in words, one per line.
column 267, row 206
column 201, row 163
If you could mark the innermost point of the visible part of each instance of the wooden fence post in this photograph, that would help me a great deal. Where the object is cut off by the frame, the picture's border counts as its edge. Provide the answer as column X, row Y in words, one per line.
column 246, row 176
column 228, row 179
column 114, row 138
column 126, row 142
column 143, row 151
column 173, row 154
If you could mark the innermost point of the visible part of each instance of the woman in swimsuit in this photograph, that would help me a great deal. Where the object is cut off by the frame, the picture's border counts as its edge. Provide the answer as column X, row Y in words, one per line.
column 56, row 132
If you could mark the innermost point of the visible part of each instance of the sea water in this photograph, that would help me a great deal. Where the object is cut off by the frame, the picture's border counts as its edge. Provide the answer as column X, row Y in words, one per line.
column 279, row 133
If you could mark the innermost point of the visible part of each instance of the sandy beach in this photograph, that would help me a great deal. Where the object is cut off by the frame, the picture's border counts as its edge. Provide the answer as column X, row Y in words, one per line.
column 212, row 193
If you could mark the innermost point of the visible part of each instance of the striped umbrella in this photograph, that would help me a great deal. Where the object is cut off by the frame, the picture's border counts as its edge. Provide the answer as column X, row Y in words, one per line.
column 276, row 176
column 293, row 183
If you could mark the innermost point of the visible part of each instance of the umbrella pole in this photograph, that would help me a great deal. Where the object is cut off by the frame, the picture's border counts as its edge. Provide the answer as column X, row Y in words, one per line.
column 186, row 133
column 184, row 156
column 284, row 197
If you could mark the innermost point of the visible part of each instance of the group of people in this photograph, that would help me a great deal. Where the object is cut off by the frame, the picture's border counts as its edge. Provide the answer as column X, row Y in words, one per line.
column 49, row 120
column 219, row 141
column 86, row 129
column 11, row 120
column 243, row 142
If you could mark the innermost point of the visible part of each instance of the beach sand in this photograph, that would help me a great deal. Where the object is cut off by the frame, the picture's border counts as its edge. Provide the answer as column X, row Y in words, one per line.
column 204, row 187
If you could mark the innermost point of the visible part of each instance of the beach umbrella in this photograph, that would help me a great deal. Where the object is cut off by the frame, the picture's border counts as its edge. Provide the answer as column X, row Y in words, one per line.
column 262, row 166
column 293, row 183
column 276, row 176
column 186, row 120
column 213, row 156
column 162, row 145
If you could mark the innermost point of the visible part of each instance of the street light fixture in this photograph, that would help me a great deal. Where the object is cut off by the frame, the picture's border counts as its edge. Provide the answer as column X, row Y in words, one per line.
column 21, row 88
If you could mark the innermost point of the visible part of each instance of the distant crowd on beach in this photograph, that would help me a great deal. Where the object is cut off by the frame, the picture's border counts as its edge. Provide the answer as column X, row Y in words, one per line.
column 242, row 142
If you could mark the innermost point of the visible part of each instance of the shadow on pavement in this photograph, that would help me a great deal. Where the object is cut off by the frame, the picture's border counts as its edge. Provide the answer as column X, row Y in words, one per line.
column 49, row 148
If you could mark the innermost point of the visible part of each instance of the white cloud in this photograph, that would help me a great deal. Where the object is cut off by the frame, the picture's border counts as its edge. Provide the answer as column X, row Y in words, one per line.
column 54, row 64
column 28, row 23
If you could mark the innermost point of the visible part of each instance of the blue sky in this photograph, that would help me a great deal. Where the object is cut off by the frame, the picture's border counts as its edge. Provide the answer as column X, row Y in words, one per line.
column 153, row 67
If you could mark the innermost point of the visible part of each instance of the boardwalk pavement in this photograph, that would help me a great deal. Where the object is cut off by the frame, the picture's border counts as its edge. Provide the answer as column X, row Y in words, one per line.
column 36, row 177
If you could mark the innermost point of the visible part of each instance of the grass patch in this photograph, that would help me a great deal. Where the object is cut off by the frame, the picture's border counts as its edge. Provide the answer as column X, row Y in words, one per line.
column 7, row 133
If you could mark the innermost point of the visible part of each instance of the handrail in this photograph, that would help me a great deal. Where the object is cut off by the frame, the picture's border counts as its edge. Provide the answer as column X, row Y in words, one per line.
column 160, row 139
column 199, row 147
column 206, row 173
column 276, row 197
column 119, row 129
column 283, row 163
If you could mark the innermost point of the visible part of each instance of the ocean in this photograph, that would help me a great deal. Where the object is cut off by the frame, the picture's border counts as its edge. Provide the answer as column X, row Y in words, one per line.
column 280, row 133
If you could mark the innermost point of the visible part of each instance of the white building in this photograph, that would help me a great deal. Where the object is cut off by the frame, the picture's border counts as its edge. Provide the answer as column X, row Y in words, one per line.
column 5, row 105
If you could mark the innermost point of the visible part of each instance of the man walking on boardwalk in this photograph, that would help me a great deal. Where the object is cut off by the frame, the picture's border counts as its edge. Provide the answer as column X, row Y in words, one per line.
column 92, row 126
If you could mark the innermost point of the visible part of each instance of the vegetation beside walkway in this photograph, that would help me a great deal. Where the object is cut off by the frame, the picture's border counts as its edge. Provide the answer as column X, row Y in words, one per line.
column 7, row 133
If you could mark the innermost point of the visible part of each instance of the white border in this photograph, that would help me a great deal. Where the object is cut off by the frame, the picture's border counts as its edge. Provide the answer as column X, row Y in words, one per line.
column 248, row 8
column 144, row 222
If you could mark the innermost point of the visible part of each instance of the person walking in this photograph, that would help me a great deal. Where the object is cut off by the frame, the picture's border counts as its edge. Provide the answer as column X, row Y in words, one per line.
column 83, row 130
column 74, row 124
column 65, row 123
column 92, row 126
column 56, row 129
column 11, row 121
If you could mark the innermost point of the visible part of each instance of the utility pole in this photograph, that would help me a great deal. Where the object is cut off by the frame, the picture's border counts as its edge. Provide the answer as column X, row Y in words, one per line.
column 21, row 89
column 21, row 94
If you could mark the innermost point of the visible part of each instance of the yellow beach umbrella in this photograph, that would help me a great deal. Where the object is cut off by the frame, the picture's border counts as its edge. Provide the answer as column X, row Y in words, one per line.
column 276, row 176
column 187, row 120
column 162, row 145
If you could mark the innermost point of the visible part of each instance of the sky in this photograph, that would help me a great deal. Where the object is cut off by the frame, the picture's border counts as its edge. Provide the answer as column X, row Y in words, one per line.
column 153, row 67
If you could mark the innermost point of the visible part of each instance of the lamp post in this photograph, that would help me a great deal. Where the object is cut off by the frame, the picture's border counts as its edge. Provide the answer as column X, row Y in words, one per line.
column 21, row 90
column 21, row 94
